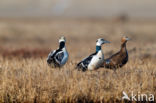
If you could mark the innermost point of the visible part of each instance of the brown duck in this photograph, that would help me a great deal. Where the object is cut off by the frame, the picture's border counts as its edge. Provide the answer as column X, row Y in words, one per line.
column 120, row 58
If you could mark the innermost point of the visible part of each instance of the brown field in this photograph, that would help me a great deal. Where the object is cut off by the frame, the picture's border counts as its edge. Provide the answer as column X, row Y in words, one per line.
column 26, row 78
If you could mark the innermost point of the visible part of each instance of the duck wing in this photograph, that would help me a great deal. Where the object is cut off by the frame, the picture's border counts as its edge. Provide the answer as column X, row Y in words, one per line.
column 112, row 61
column 83, row 65
column 59, row 57
column 55, row 57
column 51, row 54
column 117, row 60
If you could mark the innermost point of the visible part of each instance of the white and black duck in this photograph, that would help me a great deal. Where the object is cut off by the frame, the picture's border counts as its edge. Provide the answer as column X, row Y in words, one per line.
column 95, row 60
column 59, row 57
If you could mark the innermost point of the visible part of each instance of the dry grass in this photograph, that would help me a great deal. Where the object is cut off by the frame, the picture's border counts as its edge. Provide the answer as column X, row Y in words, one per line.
column 30, row 80
column 26, row 80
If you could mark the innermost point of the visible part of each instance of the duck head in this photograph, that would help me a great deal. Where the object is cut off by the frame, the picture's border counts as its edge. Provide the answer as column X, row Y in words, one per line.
column 124, row 39
column 62, row 42
column 100, row 42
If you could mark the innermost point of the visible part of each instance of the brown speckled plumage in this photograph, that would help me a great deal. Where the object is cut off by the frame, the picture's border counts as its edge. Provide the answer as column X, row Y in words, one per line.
column 119, row 59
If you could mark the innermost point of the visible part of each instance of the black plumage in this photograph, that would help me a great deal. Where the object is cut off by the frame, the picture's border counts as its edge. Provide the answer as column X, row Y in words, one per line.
column 95, row 60
column 83, row 65
column 55, row 57
column 59, row 57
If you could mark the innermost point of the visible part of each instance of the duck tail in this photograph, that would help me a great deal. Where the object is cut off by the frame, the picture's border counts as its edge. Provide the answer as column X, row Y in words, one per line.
column 80, row 67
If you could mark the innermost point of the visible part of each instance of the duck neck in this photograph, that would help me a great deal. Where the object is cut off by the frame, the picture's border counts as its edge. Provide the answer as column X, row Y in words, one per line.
column 123, row 47
column 62, row 45
column 98, row 48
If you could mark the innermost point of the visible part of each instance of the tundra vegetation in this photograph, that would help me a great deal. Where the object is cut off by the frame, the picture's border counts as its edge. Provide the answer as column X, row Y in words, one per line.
column 25, row 76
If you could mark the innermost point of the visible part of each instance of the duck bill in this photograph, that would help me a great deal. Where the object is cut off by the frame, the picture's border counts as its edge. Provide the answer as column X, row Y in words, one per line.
column 106, row 42
column 128, row 39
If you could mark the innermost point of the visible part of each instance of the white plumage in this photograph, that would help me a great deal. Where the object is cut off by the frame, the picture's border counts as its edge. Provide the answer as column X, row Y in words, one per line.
column 59, row 57
column 95, row 60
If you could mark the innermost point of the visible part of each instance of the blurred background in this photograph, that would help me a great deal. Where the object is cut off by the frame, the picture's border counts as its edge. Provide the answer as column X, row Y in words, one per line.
column 35, row 25
column 78, row 8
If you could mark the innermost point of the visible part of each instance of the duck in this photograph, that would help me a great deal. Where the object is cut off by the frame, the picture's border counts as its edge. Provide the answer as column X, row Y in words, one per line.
column 58, row 58
column 95, row 60
column 118, row 59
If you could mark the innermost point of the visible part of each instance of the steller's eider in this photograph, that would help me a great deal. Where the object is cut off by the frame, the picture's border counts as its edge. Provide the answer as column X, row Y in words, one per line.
column 59, row 57
column 95, row 60
column 120, row 58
